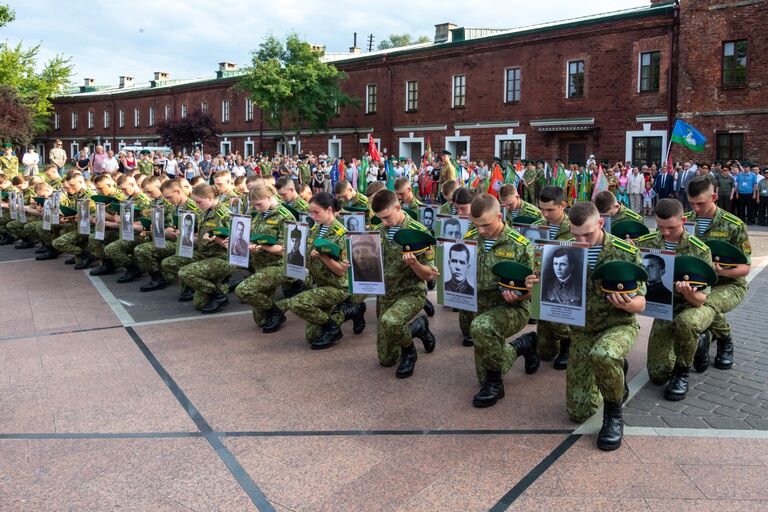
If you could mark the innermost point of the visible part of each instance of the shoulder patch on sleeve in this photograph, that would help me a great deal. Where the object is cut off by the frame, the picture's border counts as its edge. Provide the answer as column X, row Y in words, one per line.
column 695, row 241
column 624, row 246
column 472, row 232
column 284, row 212
column 633, row 214
column 517, row 237
column 362, row 199
column 646, row 237
column 338, row 228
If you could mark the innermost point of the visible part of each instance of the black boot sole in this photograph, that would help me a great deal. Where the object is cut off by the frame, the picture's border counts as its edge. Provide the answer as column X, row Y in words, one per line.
column 323, row 346
column 609, row 447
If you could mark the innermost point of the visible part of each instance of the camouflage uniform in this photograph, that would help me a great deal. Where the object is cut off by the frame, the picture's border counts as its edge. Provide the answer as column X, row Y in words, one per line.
column 9, row 165
column 598, row 350
column 305, row 173
column 360, row 201
column 18, row 228
column 208, row 269
column 317, row 304
column 496, row 320
column 121, row 251
column 623, row 214
column 728, row 292
column 673, row 343
column 405, row 296
column 446, row 209
column 259, row 288
column 526, row 209
column 530, row 177
column 550, row 333
column 70, row 241
column 149, row 258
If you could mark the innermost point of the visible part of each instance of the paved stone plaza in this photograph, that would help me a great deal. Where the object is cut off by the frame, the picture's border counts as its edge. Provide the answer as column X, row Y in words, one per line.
column 112, row 399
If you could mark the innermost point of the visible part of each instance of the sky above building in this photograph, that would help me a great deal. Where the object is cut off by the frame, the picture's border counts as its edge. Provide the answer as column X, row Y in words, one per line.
column 187, row 38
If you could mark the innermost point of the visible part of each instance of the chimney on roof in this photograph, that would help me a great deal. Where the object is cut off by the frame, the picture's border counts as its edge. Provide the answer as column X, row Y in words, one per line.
column 443, row 32
column 161, row 75
column 227, row 66
column 89, row 82
column 126, row 81
column 354, row 49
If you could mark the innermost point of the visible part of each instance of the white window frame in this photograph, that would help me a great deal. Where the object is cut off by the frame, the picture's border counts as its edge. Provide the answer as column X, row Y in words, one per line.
column 645, row 132
column 568, row 79
column 74, row 120
column 407, row 96
column 136, row 117
column 121, row 118
column 640, row 71
column 91, row 119
column 107, row 146
column 228, row 144
column 410, row 139
column 56, row 121
column 453, row 91
column 334, row 142
column 204, row 107
column 510, row 135
column 506, row 81
column 74, row 150
column 224, row 111
column 249, row 148
column 167, row 112
column 248, row 109
column 367, row 98
column 107, row 118
column 183, row 110
column 450, row 141
column 151, row 119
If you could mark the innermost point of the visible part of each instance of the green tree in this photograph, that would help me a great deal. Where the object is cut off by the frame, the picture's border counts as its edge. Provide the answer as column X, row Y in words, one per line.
column 293, row 87
column 7, row 15
column 15, row 118
column 398, row 40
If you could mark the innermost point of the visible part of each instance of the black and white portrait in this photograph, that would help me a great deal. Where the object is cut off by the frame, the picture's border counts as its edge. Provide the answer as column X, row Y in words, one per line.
column 47, row 214
column 99, row 229
column 126, row 221
column 158, row 226
column 427, row 217
column 453, row 227
column 296, row 251
column 366, row 263
column 457, row 262
column 55, row 207
column 239, row 240
column 186, row 234
column 660, row 266
column 353, row 221
column 563, row 287
column 533, row 232
column 84, row 217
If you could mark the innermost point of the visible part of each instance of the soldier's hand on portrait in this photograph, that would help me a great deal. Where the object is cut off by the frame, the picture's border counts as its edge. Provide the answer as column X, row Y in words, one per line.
column 619, row 300
column 254, row 248
column 531, row 280
column 344, row 265
column 224, row 242
column 314, row 254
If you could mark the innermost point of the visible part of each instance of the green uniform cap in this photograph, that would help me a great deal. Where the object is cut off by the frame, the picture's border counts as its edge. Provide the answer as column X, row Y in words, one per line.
column 524, row 219
column 115, row 208
column 262, row 239
column 67, row 211
column 325, row 246
column 7, row 145
column 414, row 241
column 4, row 194
column 355, row 209
column 411, row 213
column 375, row 221
column 620, row 276
column 103, row 199
column 511, row 275
column 144, row 152
column 694, row 271
column 629, row 228
column 220, row 232
column 446, row 152
column 725, row 254
column 403, row 159
column 40, row 200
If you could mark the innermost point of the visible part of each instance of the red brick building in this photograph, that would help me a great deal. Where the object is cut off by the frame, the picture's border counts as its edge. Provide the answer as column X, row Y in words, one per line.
column 609, row 84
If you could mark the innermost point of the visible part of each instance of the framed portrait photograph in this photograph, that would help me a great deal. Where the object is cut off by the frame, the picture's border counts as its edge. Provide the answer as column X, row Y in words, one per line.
column 532, row 232
column 427, row 215
column 659, row 295
column 457, row 262
column 186, row 245
column 84, row 217
column 562, row 290
column 158, row 226
column 22, row 213
column 236, row 206
column 295, row 255
column 690, row 227
column 126, row 221
column 56, row 203
column 366, row 269
column 13, row 205
column 239, row 240
column 47, row 205
column 101, row 221
column 353, row 221
column 452, row 227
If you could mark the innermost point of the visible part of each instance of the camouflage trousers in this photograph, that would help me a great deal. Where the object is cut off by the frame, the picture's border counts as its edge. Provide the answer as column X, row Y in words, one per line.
column 71, row 242
column 171, row 266
column 148, row 257
column 315, row 306
column 722, row 299
column 596, row 367
column 121, row 251
column 529, row 194
column 675, row 342
column 22, row 230
column 490, row 330
column 30, row 230
column 47, row 237
column 4, row 220
column 550, row 334
column 206, row 277
column 259, row 289
column 98, row 248
column 393, row 333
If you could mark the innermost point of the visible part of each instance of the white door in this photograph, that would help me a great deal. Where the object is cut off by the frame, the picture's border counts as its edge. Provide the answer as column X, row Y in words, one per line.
column 334, row 148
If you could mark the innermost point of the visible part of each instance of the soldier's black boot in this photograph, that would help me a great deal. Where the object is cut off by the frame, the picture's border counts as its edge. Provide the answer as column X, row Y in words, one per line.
column 24, row 243
column 356, row 313
column 724, row 356
column 49, row 254
column 131, row 273
column 331, row 334
column 527, row 346
column 626, row 384
column 6, row 239
column 677, row 387
column 431, row 285
column 274, row 319
column 420, row 329
column 429, row 308
column 86, row 260
column 561, row 360
column 157, row 282
column 408, row 358
column 467, row 341
column 70, row 261
column 40, row 250
column 106, row 268
column 218, row 301
column 232, row 284
column 491, row 392
column 293, row 288
column 609, row 437
column 701, row 358
column 187, row 294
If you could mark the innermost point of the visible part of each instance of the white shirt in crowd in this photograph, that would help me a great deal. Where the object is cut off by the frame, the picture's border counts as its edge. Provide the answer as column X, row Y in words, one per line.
column 171, row 167
column 238, row 170
column 30, row 161
column 635, row 183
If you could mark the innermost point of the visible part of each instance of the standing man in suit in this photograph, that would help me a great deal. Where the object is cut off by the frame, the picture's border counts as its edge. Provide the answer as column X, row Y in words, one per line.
column 664, row 184
column 686, row 175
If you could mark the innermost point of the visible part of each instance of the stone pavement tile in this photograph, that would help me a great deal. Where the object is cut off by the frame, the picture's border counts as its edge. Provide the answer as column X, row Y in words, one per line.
column 727, row 423
column 146, row 474
column 757, row 446
column 625, row 480
column 729, row 482
column 528, row 503
column 585, row 451
column 692, row 450
column 684, row 422
column 637, row 420
column 680, row 505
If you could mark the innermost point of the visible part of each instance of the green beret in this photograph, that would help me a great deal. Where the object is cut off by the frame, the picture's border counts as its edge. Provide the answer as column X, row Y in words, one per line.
column 325, row 246
column 619, row 276
column 103, row 199
column 293, row 210
column 629, row 228
column 694, row 271
column 375, row 221
column 725, row 254
column 355, row 209
column 40, row 200
column 221, row 232
column 262, row 239
column 115, row 208
column 4, row 194
column 511, row 276
column 67, row 211
column 414, row 241
column 403, row 159
column 539, row 161
column 446, row 152
column 411, row 213
column 7, row 145
column 524, row 219
column 144, row 152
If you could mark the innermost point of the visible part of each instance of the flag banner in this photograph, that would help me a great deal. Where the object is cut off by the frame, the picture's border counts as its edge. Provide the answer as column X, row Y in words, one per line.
column 334, row 173
column 688, row 136
column 497, row 179
column 372, row 149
